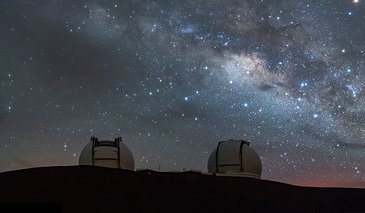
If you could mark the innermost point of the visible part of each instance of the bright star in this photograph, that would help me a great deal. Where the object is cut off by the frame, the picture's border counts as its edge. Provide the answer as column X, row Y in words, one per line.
column 303, row 84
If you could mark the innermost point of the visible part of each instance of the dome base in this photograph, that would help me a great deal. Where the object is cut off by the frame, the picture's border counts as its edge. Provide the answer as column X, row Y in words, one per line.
column 232, row 174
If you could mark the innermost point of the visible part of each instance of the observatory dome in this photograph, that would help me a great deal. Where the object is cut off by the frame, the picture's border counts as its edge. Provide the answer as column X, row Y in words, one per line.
column 112, row 154
column 235, row 157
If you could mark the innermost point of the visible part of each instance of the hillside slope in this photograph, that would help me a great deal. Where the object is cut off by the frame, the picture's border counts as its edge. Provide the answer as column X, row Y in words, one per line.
column 96, row 189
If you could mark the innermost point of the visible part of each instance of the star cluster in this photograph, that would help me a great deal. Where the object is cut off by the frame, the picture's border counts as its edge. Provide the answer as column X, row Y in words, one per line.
column 175, row 77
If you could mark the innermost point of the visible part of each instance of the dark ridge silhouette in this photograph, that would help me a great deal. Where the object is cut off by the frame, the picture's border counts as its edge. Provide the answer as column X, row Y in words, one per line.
column 95, row 189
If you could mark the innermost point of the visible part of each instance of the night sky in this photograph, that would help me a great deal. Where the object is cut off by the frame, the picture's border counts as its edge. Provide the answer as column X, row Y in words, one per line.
column 174, row 78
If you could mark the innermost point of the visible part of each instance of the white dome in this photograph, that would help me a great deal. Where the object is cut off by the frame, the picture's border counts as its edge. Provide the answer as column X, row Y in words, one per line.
column 235, row 157
column 112, row 154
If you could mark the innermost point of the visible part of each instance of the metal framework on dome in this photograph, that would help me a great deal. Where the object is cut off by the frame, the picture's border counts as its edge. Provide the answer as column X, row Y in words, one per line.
column 106, row 153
